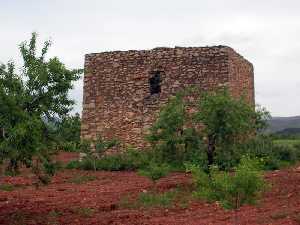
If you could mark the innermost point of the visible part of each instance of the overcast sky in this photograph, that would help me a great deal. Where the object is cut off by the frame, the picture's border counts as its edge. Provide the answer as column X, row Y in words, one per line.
column 266, row 32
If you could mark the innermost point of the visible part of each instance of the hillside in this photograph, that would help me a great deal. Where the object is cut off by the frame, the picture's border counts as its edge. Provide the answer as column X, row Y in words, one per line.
column 281, row 123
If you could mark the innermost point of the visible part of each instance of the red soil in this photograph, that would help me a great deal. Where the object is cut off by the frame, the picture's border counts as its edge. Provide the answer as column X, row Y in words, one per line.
column 97, row 201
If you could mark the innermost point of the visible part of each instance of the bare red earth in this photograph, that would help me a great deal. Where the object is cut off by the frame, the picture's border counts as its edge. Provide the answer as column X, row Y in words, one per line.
column 97, row 201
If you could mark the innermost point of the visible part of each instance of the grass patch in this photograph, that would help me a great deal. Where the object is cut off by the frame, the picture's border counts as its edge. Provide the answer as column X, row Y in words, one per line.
column 279, row 215
column 163, row 200
column 55, row 213
column 84, row 211
column 6, row 187
column 289, row 142
column 177, row 196
column 52, row 218
column 80, row 179
column 18, row 218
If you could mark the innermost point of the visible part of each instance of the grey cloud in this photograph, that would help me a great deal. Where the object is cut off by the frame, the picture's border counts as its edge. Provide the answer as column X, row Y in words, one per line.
column 265, row 32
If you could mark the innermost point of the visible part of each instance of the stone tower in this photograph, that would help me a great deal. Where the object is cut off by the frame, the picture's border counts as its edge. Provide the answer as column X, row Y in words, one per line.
column 123, row 90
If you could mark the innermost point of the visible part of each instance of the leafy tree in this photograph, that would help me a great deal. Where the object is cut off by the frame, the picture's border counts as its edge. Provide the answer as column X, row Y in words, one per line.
column 170, row 136
column 67, row 132
column 226, row 120
column 29, row 99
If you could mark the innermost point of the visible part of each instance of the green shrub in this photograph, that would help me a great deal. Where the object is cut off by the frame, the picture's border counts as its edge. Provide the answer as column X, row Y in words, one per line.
column 69, row 146
column 84, row 212
column 111, row 163
column 136, row 159
column 92, row 155
column 88, row 164
column 173, row 136
column 231, row 190
column 130, row 160
column 74, row 164
column 155, row 171
column 163, row 200
column 285, row 153
column 297, row 150
column 6, row 187
column 263, row 147
column 51, row 168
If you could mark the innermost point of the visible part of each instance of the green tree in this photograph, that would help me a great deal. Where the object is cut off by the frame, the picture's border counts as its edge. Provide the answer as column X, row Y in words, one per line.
column 29, row 99
column 172, row 136
column 227, row 120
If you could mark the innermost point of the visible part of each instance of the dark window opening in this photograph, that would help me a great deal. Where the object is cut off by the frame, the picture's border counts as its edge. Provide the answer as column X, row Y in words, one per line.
column 154, row 82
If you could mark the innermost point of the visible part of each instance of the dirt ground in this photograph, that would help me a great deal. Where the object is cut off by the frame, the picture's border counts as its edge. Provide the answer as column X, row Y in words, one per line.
column 96, row 201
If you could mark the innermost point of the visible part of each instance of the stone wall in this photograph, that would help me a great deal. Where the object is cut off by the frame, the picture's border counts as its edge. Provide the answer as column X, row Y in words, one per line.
column 119, row 101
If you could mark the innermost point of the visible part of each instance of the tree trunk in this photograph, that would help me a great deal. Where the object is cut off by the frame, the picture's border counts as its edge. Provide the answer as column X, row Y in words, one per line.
column 2, row 133
column 211, row 150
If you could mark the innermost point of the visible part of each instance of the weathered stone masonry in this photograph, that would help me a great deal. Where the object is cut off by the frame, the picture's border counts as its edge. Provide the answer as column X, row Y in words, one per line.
column 123, row 90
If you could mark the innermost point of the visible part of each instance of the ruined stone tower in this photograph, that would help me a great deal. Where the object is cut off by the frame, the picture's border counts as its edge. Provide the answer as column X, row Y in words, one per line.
column 123, row 90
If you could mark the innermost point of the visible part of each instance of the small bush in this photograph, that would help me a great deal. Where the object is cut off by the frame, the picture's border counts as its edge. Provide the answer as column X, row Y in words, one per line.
column 84, row 212
column 155, row 171
column 297, row 150
column 74, row 164
column 285, row 153
column 163, row 200
column 130, row 160
column 134, row 159
column 273, row 155
column 111, row 163
column 82, row 179
column 233, row 191
column 6, row 187
column 69, row 146
column 51, row 168
column 150, row 199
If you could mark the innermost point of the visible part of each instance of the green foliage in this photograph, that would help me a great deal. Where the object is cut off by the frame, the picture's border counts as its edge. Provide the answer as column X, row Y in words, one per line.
column 80, row 179
column 130, row 160
column 67, row 133
column 162, row 200
column 227, row 121
column 6, row 187
column 51, row 167
column 29, row 100
column 171, row 138
column 92, row 155
column 155, row 171
column 84, row 212
column 207, row 133
column 74, row 164
column 290, row 142
column 166, row 134
column 273, row 155
column 231, row 190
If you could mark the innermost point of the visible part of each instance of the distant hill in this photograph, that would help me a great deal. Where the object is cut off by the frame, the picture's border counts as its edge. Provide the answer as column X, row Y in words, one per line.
column 279, row 124
column 289, row 131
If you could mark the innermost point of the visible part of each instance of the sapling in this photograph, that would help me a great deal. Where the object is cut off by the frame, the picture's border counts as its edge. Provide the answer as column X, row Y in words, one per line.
column 231, row 190
column 154, row 172
column 95, row 149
